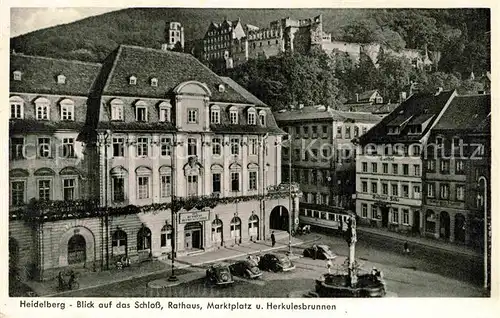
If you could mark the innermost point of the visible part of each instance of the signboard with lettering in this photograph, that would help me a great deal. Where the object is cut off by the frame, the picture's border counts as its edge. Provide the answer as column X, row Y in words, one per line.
column 385, row 198
column 198, row 216
column 444, row 203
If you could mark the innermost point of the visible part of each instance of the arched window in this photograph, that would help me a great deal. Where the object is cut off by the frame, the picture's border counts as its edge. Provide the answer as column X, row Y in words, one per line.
column 165, row 109
column 233, row 115
column 42, row 108
column 262, row 118
column 67, row 109
column 217, row 229
column 215, row 114
column 141, row 111
column 236, row 228
column 165, row 181
column 143, row 182
column 251, row 116
column 118, row 177
column 77, row 249
column 16, row 107
column 119, row 242
column 116, row 109
column 166, row 236
column 253, row 227
column 144, row 239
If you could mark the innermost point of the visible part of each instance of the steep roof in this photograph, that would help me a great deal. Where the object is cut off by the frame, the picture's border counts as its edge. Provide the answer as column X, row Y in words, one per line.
column 39, row 75
column 242, row 91
column 412, row 108
column 170, row 68
column 466, row 113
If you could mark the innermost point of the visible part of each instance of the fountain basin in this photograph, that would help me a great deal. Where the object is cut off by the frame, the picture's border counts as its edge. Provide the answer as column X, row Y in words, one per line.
column 337, row 285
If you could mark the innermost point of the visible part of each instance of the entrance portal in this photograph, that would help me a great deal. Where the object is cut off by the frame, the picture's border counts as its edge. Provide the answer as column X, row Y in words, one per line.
column 192, row 236
column 279, row 218
column 385, row 216
column 444, row 224
column 416, row 221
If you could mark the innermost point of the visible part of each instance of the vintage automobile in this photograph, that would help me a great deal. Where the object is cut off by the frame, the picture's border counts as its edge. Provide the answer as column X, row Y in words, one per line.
column 245, row 269
column 219, row 274
column 322, row 252
column 274, row 263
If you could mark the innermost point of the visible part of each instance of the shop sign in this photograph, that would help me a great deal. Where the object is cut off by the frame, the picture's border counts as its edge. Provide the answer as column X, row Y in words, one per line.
column 385, row 198
column 389, row 158
column 198, row 216
column 445, row 203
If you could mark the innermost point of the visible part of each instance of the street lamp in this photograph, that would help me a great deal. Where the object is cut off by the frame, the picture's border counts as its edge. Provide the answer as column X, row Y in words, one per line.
column 290, row 203
column 172, row 277
column 485, row 230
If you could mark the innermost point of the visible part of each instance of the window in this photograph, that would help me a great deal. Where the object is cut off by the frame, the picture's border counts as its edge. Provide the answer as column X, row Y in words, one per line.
column 364, row 166
column 235, row 181
column 431, row 165
column 165, row 112
column 395, row 215
column 233, row 116
column 315, row 131
column 262, row 118
column 132, row 80
column 118, row 185
column 416, row 169
column 385, row 188
column 395, row 190
column 192, row 147
column 16, row 148
column 364, row 186
column 406, row 169
column 192, row 185
column 439, row 142
column 306, row 131
column 215, row 115
column 192, row 116
column 143, row 187
column 416, row 150
column 406, row 191
column 374, row 167
column 374, row 212
column 347, row 132
column 166, row 146
column 416, row 192
column 166, row 236
column 216, row 188
column 365, row 130
column 118, row 147
column 325, row 199
column 364, row 210
column 68, row 148
column 444, row 191
column 16, row 107
column 406, row 216
column 69, row 189
column 116, row 109
column 385, row 168
column 251, row 118
column 144, row 239
column 17, row 75
column 17, row 193
column 339, row 132
column 460, row 192
column 430, row 190
column 61, row 79
column 356, row 131
column 165, row 186
column 253, row 146
column 445, row 166
column 459, row 167
column 42, row 109
column 154, row 82
column 44, row 148
column 216, row 146
column 44, row 191
column 141, row 113
column 252, row 178
column 142, row 147
column 394, row 168
column 374, row 187
column 324, row 131
column 235, row 146
column 67, row 110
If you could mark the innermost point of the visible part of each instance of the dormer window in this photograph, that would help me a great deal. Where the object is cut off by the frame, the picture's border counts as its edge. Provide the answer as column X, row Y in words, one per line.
column 61, row 79
column 251, row 120
column 132, row 80
column 165, row 110
column 215, row 115
column 42, row 109
column 233, row 115
column 379, row 100
column 222, row 88
column 262, row 118
column 141, row 111
column 17, row 75
column 116, row 109
column 67, row 109
column 154, row 82
column 16, row 107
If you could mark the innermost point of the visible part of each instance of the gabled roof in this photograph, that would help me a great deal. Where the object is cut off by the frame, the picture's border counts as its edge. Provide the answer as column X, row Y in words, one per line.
column 412, row 108
column 323, row 113
column 466, row 113
column 170, row 68
column 363, row 97
column 39, row 75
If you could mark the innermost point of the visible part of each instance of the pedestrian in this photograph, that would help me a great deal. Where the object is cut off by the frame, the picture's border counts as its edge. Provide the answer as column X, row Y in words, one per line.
column 315, row 251
column 329, row 265
column 406, row 248
column 273, row 239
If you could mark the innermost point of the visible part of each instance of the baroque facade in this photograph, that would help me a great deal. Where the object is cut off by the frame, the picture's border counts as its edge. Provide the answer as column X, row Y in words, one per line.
column 159, row 153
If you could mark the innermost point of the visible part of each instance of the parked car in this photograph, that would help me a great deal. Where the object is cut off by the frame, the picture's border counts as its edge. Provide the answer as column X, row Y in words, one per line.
column 276, row 264
column 245, row 269
column 219, row 274
column 322, row 252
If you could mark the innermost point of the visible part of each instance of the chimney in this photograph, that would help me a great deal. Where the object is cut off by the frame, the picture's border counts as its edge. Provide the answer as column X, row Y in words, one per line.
column 438, row 91
column 357, row 97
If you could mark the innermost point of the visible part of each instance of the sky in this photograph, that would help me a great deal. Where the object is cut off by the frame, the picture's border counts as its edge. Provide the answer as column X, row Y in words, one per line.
column 24, row 20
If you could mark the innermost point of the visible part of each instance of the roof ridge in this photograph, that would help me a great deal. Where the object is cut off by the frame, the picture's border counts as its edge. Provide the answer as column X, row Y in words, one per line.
column 111, row 71
column 143, row 48
column 57, row 59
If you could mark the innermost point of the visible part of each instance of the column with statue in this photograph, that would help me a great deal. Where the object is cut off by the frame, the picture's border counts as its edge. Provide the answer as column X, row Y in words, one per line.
column 351, row 239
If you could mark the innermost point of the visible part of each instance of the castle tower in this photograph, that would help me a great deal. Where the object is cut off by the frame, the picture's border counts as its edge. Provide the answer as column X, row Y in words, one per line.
column 174, row 36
